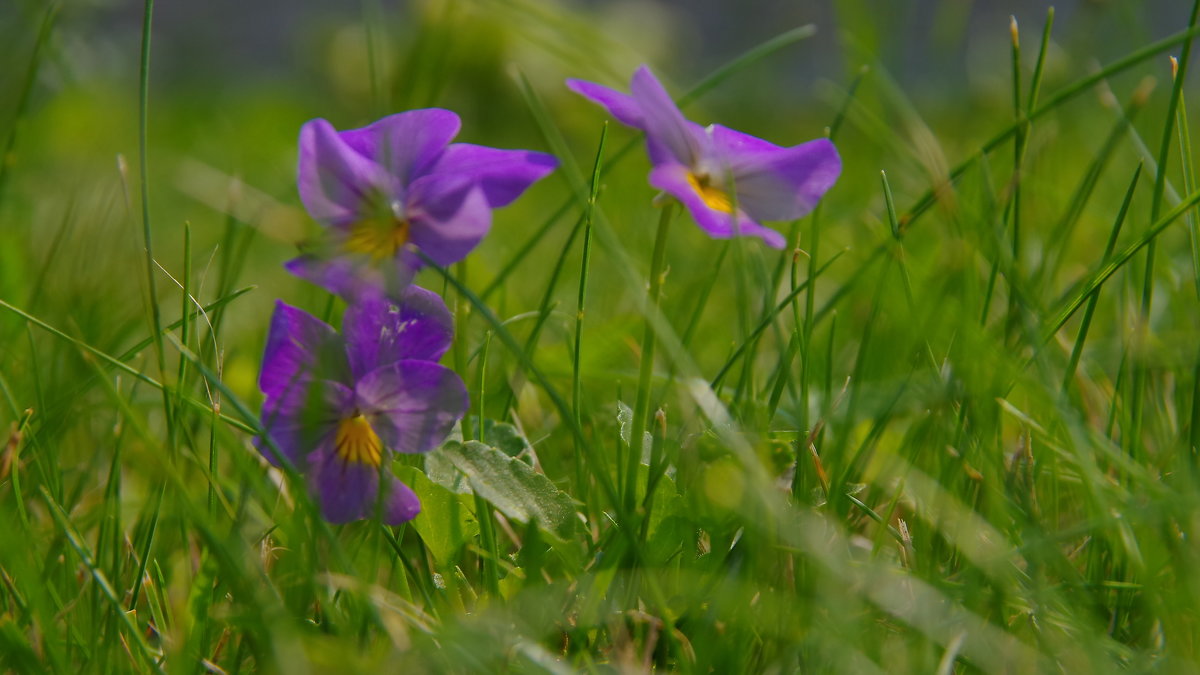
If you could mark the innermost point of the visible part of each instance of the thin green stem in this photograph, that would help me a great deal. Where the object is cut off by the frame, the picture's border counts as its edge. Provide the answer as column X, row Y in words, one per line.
column 589, row 215
column 459, row 348
column 1107, row 269
column 1036, row 85
column 119, row 364
column 930, row 197
column 547, row 304
column 482, row 369
column 1156, row 199
column 487, row 534
column 1189, row 185
column 769, row 318
column 1077, row 350
column 641, row 407
column 560, row 403
column 1018, row 144
column 147, row 238
column 23, row 98
column 140, row 649
column 185, row 330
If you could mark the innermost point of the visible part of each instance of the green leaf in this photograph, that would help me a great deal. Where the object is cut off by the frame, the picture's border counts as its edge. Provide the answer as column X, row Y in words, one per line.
column 445, row 523
column 440, row 470
column 667, row 537
column 513, row 487
column 669, row 527
column 625, row 422
column 504, row 437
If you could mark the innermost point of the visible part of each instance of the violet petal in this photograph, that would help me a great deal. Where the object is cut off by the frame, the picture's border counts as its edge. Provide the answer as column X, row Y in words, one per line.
column 379, row 331
column 346, row 490
column 672, row 178
column 401, row 504
column 300, row 347
column 730, row 143
column 302, row 417
column 621, row 106
column 445, row 235
column 406, row 143
column 503, row 174
column 337, row 184
column 785, row 183
column 355, row 277
column 412, row 405
column 662, row 120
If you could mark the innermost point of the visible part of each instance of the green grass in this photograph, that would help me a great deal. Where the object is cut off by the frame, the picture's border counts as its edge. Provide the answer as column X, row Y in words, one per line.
column 954, row 428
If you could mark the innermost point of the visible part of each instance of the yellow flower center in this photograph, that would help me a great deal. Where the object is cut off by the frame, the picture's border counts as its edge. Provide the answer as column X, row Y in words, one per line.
column 357, row 442
column 378, row 238
column 714, row 197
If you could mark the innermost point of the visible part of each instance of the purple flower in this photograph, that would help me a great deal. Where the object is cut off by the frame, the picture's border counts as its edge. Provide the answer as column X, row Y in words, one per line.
column 337, row 406
column 397, row 186
column 702, row 166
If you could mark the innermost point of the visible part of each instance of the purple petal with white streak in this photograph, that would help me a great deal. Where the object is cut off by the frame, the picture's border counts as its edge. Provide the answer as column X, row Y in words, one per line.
column 730, row 143
column 379, row 332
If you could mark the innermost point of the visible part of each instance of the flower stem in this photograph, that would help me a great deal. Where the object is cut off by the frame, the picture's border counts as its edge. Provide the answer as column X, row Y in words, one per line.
column 589, row 215
column 641, row 409
column 155, row 315
column 459, row 346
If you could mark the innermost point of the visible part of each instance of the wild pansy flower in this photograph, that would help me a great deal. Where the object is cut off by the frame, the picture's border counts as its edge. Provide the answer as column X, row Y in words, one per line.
column 397, row 186
column 337, row 406
column 713, row 170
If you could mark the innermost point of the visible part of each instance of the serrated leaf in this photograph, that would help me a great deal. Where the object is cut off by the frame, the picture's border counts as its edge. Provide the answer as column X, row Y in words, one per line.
column 445, row 523
column 513, row 487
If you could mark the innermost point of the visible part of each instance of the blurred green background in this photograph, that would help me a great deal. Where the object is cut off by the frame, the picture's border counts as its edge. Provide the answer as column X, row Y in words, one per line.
column 1096, row 543
column 232, row 82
